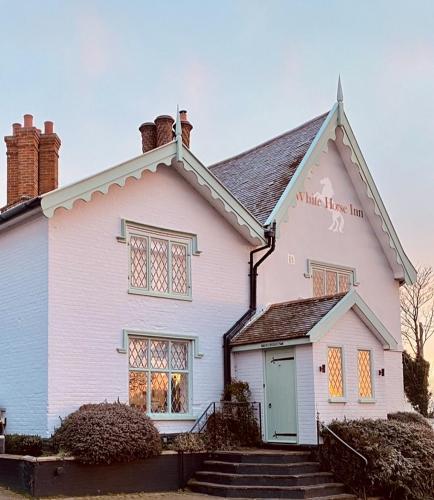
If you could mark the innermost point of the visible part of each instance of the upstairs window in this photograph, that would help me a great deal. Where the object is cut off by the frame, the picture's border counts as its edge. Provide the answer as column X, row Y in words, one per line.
column 159, row 263
column 329, row 279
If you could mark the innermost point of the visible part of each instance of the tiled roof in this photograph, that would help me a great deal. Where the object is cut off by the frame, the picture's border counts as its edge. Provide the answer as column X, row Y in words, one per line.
column 258, row 177
column 287, row 320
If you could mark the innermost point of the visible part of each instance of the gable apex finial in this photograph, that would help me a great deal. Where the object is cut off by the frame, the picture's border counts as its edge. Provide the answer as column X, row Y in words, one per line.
column 340, row 94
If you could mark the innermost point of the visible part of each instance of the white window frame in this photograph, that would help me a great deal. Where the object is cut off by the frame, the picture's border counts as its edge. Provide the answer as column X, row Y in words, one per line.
column 171, row 338
column 130, row 228
column 313, row 265
column 343, row 398
column 371, row 399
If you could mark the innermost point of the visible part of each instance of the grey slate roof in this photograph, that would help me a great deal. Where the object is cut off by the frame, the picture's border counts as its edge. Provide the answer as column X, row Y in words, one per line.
column 258, row 177
column 287, row 320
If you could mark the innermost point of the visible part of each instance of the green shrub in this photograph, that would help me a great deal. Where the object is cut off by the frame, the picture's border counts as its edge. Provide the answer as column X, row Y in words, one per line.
column 107, row 433
column 189, row 442
column 400, row 458
column 410, row 418
column 22, row 444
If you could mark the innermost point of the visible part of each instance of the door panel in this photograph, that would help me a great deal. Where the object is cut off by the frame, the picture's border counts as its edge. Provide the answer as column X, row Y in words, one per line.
column 281, row 411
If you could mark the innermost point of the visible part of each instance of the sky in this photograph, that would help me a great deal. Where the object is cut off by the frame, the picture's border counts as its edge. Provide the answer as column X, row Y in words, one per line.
column 244, row 70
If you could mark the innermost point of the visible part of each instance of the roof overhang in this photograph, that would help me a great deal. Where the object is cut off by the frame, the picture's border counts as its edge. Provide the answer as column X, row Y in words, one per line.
column 336, row 128
column 186, row 164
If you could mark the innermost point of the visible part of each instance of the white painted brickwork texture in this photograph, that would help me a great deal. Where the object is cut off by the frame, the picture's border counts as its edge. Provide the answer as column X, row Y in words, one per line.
column 350, row 333
column 89, row 303
column 305, row 394
column 23, row 326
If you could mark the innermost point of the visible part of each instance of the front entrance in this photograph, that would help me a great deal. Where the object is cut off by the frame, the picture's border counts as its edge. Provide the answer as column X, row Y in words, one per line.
column 280, row 393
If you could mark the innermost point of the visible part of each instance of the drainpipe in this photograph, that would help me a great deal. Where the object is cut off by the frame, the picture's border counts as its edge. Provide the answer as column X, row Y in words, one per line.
column 270, row 234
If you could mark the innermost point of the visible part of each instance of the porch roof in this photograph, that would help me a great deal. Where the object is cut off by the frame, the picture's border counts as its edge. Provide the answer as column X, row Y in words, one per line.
column 287, row 320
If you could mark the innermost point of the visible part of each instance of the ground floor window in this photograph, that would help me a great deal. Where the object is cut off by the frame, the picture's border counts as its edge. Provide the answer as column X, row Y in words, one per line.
column 335, row 372
column 365, row 374
column 159, row 375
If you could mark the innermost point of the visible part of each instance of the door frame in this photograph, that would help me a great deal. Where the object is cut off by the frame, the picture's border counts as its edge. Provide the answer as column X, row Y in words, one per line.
column 264, row 378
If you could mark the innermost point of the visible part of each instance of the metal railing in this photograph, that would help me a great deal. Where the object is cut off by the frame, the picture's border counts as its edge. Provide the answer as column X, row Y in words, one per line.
column 322, row 427
column 240, row 415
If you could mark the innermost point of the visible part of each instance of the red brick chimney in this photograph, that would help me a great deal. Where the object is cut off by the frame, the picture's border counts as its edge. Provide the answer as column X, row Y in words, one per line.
column 32, row 160
column 160, row 132
column 49, row 146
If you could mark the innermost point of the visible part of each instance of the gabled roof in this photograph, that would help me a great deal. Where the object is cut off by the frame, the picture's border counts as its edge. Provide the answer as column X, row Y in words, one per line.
column 267, row 178
column 287, row 320
column 259, row 176
column 310, row 319
column 183, row 162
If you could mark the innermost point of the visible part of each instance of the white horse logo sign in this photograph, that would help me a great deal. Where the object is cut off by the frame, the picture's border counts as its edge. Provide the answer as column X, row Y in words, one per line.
column 325, row 200
column 326, row 196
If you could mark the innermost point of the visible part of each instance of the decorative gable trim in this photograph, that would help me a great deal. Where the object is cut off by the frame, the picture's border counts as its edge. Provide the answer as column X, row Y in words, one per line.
column 190, row 168
column 337, row 120
column 353, row 301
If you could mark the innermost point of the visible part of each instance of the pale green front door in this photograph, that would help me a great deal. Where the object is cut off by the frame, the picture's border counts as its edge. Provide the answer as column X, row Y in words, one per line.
column 281, row 410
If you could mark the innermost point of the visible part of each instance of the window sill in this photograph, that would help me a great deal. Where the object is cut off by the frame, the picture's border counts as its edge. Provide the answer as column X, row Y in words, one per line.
column 367, row 401
column 337, row 400
column 171, row 416
column 136, row 291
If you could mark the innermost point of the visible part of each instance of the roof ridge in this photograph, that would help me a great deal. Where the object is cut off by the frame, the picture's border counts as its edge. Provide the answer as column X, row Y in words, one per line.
column 258, row 146
column 309, row 299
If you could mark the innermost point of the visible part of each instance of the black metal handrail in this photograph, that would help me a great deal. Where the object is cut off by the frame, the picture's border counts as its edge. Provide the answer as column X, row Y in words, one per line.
column 321, row 427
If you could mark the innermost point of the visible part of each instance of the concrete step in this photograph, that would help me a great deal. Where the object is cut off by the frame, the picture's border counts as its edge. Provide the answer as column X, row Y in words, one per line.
column 258, row 468
column 263, row 456
column 313, row 491
column 264, row 479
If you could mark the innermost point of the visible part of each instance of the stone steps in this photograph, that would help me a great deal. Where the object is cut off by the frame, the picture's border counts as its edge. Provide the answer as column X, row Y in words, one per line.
column 266, row 474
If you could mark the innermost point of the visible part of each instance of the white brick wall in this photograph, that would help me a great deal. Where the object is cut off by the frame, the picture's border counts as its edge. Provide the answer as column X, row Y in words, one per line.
column 89, row 303
column 305, row 394
column 350, row 333
column 23, row 326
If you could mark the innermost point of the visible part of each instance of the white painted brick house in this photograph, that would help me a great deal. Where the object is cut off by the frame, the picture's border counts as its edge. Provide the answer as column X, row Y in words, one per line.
column 123, row 285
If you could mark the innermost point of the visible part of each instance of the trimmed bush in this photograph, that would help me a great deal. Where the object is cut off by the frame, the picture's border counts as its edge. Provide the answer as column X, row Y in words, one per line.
column 409, row 417
column 108, row 432
column 189, row 442
column 23, row 444
column 400, row 458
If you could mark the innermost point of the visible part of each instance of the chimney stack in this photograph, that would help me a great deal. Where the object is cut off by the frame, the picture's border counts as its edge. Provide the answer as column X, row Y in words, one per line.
column 32, row 160
column 160, row 131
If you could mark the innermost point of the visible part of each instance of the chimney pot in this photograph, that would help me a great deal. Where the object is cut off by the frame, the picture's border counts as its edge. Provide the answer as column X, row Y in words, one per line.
column 15, row 128
column 164, row 124
column 48, row 127
column 149, row 136
column 186, row 128
column 28, row 121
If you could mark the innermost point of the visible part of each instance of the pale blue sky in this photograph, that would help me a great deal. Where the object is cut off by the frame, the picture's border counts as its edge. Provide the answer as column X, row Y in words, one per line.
column 245, row 70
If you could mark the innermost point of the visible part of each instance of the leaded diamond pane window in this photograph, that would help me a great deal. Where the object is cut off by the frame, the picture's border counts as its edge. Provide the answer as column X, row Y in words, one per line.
column 335, row 370
column 159, row 374
column 365, row 374
column 160, row 265
column 139, row 262
column 330, row 281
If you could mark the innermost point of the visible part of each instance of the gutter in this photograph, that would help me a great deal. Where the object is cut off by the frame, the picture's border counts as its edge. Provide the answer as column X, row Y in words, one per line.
column 19, row 209
column 270, row 234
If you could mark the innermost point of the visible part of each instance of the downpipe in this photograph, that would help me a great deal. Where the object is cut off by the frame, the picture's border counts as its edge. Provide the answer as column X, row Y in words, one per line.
column 270, row 234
